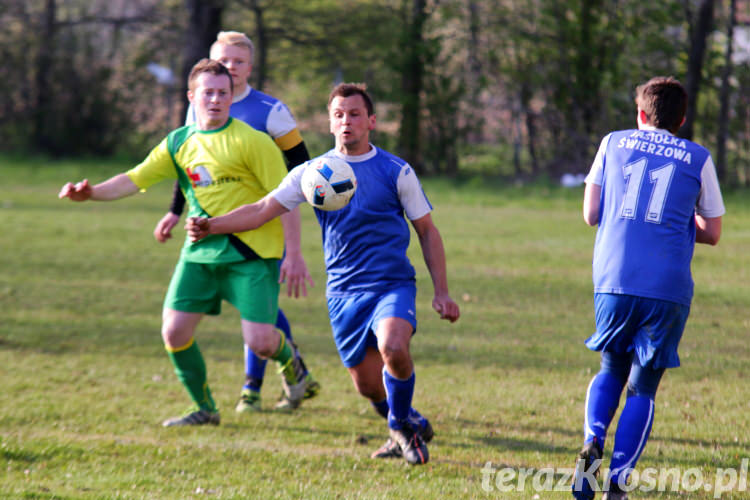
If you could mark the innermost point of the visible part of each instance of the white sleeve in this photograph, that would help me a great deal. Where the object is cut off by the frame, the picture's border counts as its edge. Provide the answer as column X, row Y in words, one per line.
column 596, row 174
column 190, row 115
column 289, row 192
column 710, row 202
column 280, row 121
column 411, row 194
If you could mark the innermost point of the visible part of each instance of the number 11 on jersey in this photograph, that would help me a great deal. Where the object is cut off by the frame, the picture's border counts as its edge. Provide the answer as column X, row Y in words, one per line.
column 660, row 178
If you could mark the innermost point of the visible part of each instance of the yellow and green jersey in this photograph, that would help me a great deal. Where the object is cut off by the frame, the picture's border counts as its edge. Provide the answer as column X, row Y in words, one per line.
column 218, row 171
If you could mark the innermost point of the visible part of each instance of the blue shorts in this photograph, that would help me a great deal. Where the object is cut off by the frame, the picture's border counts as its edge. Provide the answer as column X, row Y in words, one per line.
column 650, row 327
column 355, row 318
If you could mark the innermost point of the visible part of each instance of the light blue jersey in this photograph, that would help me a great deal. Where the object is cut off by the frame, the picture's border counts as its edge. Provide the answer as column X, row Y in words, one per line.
column 365, row 242
column 653, row 184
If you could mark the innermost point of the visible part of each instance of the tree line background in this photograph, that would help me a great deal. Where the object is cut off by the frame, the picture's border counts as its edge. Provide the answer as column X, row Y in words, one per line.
column 512, row 89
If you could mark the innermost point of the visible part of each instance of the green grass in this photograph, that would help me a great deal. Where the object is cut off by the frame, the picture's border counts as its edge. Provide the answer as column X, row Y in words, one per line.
column 86, row 382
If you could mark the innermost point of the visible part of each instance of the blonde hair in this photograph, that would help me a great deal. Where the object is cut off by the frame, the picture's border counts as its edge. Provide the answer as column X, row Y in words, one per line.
column 236, row 39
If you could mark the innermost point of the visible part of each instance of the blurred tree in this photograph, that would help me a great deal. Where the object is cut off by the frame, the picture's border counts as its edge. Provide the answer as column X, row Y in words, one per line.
column 724, row 94
column 700, row 25
column 412, row 71
column 45, row 56
column 204, row 23
column 259, row 36
column 509, row 89
column 65, row 103
column 309, row 50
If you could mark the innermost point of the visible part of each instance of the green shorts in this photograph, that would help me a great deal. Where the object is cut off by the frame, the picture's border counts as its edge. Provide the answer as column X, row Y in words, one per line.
column 252, row 286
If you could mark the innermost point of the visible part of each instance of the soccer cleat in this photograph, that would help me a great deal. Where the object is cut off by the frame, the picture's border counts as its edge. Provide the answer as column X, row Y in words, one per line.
column 426, row 431
column 249, row 402
column 615, row 493
column 302, row 373
column 313, row 387
column 587, row 470
column 412, row 445
column 291, row 396
column 390, row 449
column 611, row 495
column 194, row 417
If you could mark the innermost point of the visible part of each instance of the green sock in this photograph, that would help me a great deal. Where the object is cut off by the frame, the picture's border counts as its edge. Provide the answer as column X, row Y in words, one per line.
column 191, row 370
column 284, row 358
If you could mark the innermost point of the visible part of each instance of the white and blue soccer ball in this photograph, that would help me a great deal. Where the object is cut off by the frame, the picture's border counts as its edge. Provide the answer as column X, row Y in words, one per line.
column 328, row 183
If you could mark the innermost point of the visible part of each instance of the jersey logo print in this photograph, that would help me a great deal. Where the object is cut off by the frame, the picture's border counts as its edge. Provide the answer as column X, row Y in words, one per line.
column 199, row 177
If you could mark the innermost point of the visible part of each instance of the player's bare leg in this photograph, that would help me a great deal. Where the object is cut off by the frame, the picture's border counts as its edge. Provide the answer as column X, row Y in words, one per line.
column 266, row 342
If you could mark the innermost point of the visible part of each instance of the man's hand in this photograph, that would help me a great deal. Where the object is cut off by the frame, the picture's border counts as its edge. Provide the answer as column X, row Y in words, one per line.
column 76, row 192
column 163, row 229
column 294, row 272
column 197, row 228
column 445, row 306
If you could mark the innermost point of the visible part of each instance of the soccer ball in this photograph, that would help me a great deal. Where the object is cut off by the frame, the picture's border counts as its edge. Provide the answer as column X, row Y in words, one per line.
column 328, row 183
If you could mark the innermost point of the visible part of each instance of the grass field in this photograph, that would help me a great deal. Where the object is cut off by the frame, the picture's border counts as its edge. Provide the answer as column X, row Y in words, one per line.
column 85, row 381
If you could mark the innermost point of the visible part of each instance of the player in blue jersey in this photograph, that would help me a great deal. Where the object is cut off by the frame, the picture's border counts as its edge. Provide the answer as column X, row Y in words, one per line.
column 271, row 116
column 654, row 196
column 371, row 283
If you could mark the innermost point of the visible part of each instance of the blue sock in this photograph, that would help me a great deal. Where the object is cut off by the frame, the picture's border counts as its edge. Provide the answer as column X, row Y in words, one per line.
column 633, row 430
column 381, row 408
column 417, row 419
column 399, row 394
column 283, row 324
column 255, row 369
column 602, row 399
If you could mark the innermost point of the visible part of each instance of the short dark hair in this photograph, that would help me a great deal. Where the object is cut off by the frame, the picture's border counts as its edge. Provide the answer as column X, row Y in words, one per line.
column 206, row 65
column 664, row 100
column 351, row 89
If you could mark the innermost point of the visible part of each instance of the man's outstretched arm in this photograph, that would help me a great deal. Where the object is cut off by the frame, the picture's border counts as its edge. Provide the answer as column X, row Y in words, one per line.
column 244, row 218
column 113, row 188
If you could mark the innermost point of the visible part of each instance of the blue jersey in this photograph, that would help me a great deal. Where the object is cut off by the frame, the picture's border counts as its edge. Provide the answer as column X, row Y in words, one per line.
column 652, row 184
column 365, row 242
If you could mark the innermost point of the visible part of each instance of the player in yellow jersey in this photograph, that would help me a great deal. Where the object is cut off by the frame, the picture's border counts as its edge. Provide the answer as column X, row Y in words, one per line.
column 271, row 116
column 220, row 163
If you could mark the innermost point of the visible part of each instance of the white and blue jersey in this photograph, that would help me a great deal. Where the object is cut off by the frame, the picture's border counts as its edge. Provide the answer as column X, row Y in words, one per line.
column 653, row 184
column 365, row 242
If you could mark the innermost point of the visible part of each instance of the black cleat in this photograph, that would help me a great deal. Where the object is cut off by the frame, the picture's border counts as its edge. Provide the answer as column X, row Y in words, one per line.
column 390, row 449
column 426, row 432
column 587, row 468
column 411, row 443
